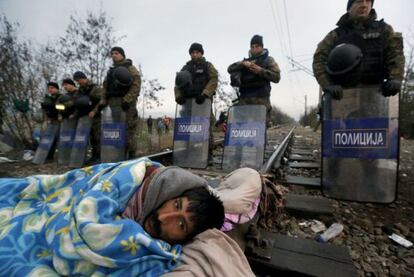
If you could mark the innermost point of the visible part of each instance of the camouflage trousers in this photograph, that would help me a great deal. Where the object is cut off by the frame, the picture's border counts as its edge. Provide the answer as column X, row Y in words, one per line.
column 132, row 124
column 257, row 101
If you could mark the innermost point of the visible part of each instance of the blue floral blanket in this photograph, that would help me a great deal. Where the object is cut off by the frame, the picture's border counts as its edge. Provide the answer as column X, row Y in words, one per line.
column 69, row 224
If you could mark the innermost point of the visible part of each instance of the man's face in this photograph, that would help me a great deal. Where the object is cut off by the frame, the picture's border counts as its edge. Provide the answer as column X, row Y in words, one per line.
column 69, row 87
column 116, row 56
column 195, row 55
column 52, row 90
column 256, row 49
column 360, row 8
column 82, row 82
column 171, row 222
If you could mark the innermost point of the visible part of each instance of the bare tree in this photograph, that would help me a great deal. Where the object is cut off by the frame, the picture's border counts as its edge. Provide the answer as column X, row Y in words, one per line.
column 224, row 96
column 19, row 83
column 86, row 45
column 407, row 94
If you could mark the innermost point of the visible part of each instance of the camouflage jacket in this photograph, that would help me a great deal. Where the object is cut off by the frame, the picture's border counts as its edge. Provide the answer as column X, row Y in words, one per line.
column 133, row 92
column 271, row 73
column 211, row 86
column 393, row 53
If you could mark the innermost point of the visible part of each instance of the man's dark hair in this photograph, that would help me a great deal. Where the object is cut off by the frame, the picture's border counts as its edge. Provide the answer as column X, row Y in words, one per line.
column 206, row 208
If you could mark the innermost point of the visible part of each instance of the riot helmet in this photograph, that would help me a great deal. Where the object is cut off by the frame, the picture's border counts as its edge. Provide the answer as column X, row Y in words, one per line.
column 60, row 102
column 183, row 79
column 344, row 64
column 83, row 102
column 122, row 77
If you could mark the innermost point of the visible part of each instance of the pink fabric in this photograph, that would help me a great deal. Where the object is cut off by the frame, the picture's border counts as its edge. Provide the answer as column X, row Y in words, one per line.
column 231, row 220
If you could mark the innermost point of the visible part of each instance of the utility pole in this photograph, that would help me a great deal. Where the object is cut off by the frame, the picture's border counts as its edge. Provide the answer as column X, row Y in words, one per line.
column 305, row 119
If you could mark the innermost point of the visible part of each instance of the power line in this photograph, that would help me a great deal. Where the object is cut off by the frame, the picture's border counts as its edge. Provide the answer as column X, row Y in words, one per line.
column 287, row 27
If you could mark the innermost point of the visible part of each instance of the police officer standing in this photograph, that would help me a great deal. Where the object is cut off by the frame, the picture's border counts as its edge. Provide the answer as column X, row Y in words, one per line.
column 197, row 79
column 123, row 84
column 360, row 41
column 65, row 102
column 87, row 103
column 254, row 74
column 50, row 113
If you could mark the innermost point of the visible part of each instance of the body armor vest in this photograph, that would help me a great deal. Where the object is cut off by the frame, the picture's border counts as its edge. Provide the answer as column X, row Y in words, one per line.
column 112, row 89
column 253, row 85
column 371, row 43
column 200, row 77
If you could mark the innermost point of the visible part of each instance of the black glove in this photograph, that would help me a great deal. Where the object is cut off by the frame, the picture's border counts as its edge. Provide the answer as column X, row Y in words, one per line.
column 180, row 100
column 125, row 106
column 335, row 91
column 200, row 98
column 391, row 87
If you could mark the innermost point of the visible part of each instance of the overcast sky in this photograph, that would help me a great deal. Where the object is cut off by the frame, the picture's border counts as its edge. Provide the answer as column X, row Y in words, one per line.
column 159, row 33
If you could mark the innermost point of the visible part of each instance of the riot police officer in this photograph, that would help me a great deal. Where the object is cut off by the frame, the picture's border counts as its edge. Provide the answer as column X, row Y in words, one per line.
column 197, row 79
column 254, row 75
column 123, row 82
column 361, row 50
column 86, row 103
column 50, row 113
column 65, row 102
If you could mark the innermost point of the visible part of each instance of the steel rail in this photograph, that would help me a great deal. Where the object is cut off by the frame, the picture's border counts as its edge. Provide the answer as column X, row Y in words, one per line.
column 277, row 155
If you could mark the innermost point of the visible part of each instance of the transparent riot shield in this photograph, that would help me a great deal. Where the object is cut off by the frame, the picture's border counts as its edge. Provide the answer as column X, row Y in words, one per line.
column 113, row 134
column 66, row 137
column 80, row 142
column 360, row 146
column 46, row 143
column 191, row 134
column 245, row 137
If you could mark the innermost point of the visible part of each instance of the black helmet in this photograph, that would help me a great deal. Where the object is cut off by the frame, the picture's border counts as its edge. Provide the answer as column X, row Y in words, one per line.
column 344, row 64
column 122, row 77
column 183, row 79
column 63, row 99
column 83, row 102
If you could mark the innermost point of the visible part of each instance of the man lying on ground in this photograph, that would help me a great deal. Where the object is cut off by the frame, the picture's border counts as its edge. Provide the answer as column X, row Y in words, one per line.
column 117, row 219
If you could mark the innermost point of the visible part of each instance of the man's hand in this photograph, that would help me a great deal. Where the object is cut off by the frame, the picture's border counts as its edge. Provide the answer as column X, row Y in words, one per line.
column 247, row 64
column 335, row 91
column 60, row 117
column 391, row 88
column 200, row 98
column 125, row 106
column 72, row 116
column 180, row 100
column 91, row 114
column 256, row 69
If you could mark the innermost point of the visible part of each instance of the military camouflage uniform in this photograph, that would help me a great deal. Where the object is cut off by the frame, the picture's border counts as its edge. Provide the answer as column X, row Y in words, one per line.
column 131, row 98
column 257, row 94
column 95, row 94
column 393, row 54
column 209, row 91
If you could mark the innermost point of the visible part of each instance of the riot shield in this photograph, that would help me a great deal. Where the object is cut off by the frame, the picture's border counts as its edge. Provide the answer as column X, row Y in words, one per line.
column 244, row 142
column 66, row 137
column 191, row 134
column 46, row 143
column 360, row 146
column 113, row 134
column 81, row 141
